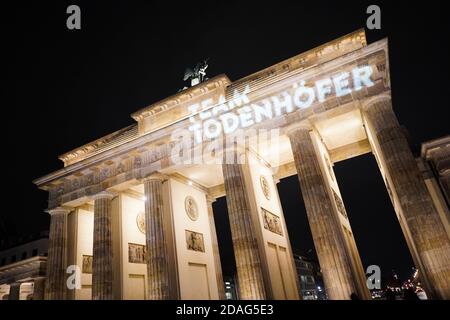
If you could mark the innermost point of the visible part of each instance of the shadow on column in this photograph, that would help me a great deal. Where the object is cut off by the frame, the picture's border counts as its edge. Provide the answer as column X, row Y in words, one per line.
column 378, row 235
column 376, row 228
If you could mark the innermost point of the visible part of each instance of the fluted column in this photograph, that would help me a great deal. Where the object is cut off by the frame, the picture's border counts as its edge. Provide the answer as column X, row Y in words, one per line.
column 423, row 221
column 325, row 227
column 39, row 288
column 157, row 264
column 56, row 288
column 248, row 261
column 102, row 273
column 14, row 291
column 215, row 245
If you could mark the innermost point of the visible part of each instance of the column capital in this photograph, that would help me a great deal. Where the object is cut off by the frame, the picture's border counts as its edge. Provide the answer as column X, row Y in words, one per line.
column 234, row 147
column 15, row 284
column 304, row 125
column 155, row 176
column 234, row 154
column 104, row 195
column 59, row 210
column 210, row 199
column 14, row 291
column 37, row 278
column 367, row 104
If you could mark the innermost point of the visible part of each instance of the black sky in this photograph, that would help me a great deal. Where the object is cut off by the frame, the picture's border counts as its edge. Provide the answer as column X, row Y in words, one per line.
column 71, row 87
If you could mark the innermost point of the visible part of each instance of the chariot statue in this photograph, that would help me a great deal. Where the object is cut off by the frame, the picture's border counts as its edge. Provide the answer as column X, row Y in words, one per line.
column 198, row 74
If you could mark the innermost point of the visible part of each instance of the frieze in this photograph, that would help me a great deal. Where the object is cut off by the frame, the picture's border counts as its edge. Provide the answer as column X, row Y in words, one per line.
column 134, row 167
column 89, row 179
column 147, row 156
column 78, row 154
column 104, row 174
column 137, row 162
column 75, row 183
column 120, row 168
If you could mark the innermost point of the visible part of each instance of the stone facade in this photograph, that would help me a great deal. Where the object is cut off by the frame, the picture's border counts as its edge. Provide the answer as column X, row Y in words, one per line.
column 328, row 236
column 138, row 165
column 418, row 209
column 248, row 261
column 102, row 273
column 57, row 258
column 157, row 266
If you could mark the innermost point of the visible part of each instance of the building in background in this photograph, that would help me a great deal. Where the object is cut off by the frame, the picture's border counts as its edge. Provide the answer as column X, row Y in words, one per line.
column 326, row 105
column 434, row 163
column 318, row 279
column 310, row 280
column 23, row 267
column 231, row 292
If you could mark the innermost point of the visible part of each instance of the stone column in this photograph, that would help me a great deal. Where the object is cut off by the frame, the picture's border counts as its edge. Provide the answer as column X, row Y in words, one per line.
column 246, row 251
column 102, row 273
column 325, row 227
column 215, row 244
column 39, row 288
column 157, row 264
column 14, row 291
column 420, row 215
column 56, row 288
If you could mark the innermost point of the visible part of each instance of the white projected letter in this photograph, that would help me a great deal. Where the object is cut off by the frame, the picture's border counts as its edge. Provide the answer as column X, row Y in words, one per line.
column 323, row 88
column 197, row 132
column 265, row 111
column 245, row 116
column 285, row 103
column 361, row 76
column 341, row 84
column 239, row 99
column 230, row 122
column 213, row 132
column 301, row 92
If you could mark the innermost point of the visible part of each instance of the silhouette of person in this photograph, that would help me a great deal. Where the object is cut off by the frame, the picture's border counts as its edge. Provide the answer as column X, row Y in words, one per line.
column 354, row 296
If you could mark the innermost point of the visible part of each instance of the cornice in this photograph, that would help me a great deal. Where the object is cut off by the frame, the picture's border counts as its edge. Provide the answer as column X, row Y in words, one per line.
column 429, row 146
column 318, row 55
column 120, row 136
column 182, row 96
column 100, row 151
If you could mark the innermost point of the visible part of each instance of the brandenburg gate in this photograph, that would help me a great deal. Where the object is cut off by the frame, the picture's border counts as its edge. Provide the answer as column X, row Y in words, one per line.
column 131, row 213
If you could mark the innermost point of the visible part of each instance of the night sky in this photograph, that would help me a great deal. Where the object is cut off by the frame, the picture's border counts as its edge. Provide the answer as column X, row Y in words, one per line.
column 71, row 87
